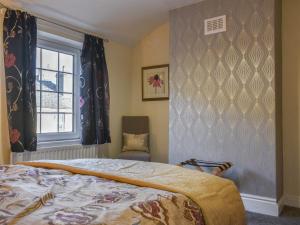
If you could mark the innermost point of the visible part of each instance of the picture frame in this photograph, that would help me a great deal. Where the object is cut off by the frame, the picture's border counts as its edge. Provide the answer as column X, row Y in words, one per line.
column 155, row 83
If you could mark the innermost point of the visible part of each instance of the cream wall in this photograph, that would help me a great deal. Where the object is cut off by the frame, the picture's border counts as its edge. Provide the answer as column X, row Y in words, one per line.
column 291, row 98
column 152, row 50
column 119, row 58
column 4, row 137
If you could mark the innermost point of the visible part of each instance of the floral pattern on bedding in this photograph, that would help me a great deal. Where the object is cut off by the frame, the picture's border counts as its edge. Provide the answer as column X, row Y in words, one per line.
column 55, row 197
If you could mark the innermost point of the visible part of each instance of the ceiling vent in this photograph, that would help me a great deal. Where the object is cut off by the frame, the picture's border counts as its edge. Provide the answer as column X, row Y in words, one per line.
column 215, row 25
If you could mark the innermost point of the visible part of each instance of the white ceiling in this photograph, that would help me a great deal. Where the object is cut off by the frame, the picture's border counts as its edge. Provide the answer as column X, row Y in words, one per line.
column 126, row 21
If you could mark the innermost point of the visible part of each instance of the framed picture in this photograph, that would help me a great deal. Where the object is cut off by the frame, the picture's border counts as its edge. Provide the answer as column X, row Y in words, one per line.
column 155, row 83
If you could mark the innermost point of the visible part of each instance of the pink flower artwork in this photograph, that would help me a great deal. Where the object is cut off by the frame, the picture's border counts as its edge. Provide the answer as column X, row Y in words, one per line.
column 155, row 81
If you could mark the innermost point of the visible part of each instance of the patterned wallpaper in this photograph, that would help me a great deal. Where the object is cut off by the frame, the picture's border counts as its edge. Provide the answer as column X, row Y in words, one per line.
column 222, row 103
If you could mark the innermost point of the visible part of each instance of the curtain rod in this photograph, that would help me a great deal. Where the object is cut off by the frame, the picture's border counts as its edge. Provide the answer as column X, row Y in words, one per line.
column 61, row 25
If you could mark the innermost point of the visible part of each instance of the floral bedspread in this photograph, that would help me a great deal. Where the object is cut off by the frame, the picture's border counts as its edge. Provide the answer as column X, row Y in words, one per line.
column 40, row 196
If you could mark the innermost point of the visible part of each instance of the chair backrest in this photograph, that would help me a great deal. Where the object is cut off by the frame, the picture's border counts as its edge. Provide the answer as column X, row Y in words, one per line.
column 135, row 125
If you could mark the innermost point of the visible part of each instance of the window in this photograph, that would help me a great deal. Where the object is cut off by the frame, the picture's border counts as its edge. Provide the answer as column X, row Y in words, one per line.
column 57, row 91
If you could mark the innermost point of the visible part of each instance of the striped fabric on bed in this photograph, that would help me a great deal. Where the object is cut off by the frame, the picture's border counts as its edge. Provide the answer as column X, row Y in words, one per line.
column 217, row 168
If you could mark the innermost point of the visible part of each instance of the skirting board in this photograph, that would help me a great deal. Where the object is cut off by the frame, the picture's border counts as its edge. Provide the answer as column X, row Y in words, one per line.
column 262, row 205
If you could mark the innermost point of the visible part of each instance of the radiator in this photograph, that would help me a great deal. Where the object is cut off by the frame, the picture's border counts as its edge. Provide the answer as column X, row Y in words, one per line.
column 60, row 153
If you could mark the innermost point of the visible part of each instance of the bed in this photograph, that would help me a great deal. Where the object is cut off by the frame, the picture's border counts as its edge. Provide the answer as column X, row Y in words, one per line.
column 115, row 192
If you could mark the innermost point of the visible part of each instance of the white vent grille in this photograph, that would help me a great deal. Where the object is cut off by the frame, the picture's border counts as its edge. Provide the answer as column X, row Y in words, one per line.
column 215, row 25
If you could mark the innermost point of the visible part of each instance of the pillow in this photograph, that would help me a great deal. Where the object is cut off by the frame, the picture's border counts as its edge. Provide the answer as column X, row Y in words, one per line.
column 137, row 142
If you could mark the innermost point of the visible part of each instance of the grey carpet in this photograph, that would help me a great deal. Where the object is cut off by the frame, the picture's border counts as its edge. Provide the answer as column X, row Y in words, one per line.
column 289, row 216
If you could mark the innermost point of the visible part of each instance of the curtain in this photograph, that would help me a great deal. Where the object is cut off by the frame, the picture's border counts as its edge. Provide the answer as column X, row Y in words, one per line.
column 4, row 137
column 20, row 37
column 94, row 93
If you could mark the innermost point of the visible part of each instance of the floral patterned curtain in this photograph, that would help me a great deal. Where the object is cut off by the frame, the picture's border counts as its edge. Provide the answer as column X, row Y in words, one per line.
column 94, row 93
column 19, row 37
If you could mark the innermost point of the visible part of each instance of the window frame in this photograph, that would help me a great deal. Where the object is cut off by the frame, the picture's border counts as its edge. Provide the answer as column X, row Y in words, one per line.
column 50, row 139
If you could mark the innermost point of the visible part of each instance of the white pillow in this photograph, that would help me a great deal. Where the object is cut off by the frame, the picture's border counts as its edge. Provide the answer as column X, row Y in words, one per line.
column 136, row 142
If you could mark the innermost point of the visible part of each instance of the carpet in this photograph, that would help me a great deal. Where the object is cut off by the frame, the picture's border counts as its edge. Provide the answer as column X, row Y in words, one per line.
column 289, row 216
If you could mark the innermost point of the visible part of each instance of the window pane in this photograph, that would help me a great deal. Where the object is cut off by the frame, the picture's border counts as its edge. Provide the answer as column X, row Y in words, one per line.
column 49, row 59
column 65, row 82
column 49, row 123
column 38, row 100
column 65, row 122
column 66, row 103
column 38, row 57
column 49, row 81
column 54, row 91
column 49, row 102
column 65, row 63
column 38, row 80
column 38, row 123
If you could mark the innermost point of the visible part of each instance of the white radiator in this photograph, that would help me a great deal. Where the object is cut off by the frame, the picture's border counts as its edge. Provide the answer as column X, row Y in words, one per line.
column 60, row 153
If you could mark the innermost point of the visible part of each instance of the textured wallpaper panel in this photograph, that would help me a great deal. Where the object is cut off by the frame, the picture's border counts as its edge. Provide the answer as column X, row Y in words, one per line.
column 222, row 103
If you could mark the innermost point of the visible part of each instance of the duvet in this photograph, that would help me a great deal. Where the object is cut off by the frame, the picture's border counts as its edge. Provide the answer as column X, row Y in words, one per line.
column 114, row 192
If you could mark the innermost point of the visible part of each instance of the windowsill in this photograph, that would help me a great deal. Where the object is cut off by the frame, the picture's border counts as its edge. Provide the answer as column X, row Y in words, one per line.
column 60, row 143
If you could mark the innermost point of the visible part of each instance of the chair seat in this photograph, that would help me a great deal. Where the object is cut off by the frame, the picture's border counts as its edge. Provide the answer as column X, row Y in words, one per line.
column 135, row 155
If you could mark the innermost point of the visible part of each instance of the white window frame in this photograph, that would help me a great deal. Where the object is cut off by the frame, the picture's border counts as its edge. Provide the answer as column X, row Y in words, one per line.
column 63, row 138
